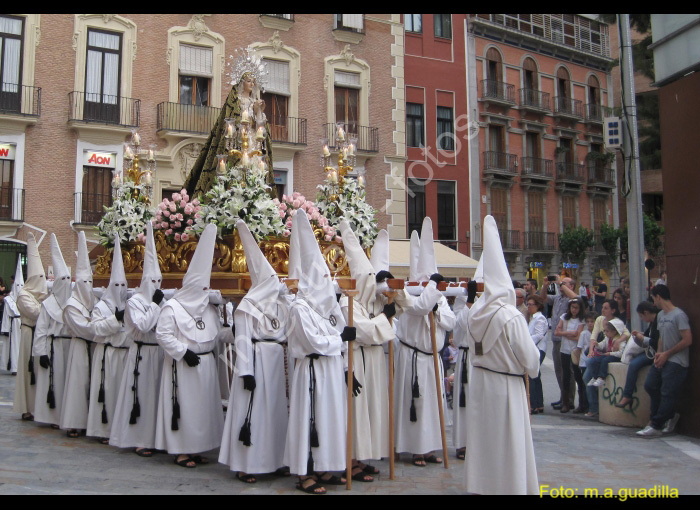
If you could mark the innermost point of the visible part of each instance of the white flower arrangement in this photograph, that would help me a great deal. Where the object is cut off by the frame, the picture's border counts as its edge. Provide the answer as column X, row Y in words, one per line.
column 351, row 206
column 126, row 218
column 241, row 193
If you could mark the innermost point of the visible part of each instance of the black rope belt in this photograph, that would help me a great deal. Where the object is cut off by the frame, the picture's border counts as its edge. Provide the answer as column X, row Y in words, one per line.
column 464, row 377
column 50, row 397
column 313, row 434
column 89, row 353
column 520, row 376
column 101, row 395
column 9, row 344
column 136, row 407
column 30, row 367
column 176, row 402
column 245, row 434
column 415, row 388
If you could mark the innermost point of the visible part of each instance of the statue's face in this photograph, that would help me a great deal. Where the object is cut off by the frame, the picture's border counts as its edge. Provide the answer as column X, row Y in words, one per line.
column 248, row 84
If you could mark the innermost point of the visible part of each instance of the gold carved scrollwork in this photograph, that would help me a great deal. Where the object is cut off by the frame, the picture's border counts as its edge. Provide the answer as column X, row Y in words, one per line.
column 276, row 252
column 104, row 264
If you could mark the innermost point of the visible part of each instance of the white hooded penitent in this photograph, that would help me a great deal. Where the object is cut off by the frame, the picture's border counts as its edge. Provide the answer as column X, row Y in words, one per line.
column 19, row 280
column 380, row 252
column 62, row 277
column 151, row 277
column 83, row 276
column 115, row 294
column 426, row 258
column 36, row 279
column 361, row 269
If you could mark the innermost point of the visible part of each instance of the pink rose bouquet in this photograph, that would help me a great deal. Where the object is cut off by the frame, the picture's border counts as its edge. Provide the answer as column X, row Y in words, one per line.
column 176, row 216
column 296, row 202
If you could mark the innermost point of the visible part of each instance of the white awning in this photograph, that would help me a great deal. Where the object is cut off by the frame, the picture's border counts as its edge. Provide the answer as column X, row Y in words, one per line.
column 450, row 263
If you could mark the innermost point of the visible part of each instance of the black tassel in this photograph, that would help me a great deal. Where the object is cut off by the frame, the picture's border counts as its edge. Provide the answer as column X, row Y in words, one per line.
column 244, row 435
column 132, row 418
column 416, row 388
column 314, row 436
column 136, row 410
column 32, row 380
column 176, row 410
column 104, row 415
column 462, row 399
column 414, row 416
column 101, row 395
column 465, row 378
column 310, row 465
column 173, row 423
column 51, row 400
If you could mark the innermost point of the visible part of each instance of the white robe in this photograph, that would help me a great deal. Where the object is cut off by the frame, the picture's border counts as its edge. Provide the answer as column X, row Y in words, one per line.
column 51, row 337
column 76, row 394
column 11, row 325
column 141, row 317
column 309, row 333
column 413, row 328
column 459, row 414
column 500, row 454
column 268, row 420
column 115, row 355
column 25, row 392
column 201, row 414
column 371, row 406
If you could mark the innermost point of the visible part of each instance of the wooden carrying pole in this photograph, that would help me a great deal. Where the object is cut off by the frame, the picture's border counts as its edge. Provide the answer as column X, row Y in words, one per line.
column 394, row 285
column 438, row 382
column 348, row 286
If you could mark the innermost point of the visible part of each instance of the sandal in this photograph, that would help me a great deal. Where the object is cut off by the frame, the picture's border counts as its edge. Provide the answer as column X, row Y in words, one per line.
column 461, row 453
column 144, row 452
column 245, row 478
column 283, row 471
column 419, row 460
column 73, row 433
column 313, row 488
column 28, row 417
column 332, row 480
column 185, row 462
column 370, row 470
column 55, row 427
column 432, row 459
column 103, row 440
column 199, row 459
column 359, row 475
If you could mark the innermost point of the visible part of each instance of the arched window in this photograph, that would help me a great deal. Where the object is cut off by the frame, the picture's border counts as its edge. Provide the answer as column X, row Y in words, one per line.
column 494, row 68
column 530, row 74
column 563, row 82
column 593, row 90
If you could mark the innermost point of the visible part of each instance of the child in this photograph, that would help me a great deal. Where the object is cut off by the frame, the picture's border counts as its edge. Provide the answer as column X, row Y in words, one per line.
column 583, row 341
column 613, row 345
column 569, row 329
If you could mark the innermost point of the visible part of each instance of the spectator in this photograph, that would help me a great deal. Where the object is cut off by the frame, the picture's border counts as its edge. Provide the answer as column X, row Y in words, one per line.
column 530, row 286
column 539, row 329
column 621, row 298
column 612, row 348
column 569, row 329
column 600, row 293
column 580, row 364
column 647, row 312
column 670, row 366
column 520, row 301
column 662, row 279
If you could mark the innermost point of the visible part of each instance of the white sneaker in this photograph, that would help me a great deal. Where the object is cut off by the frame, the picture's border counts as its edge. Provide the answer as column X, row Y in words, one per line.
column 599, row 382
column 591, row 382
column 670, row 425
column 649, row 431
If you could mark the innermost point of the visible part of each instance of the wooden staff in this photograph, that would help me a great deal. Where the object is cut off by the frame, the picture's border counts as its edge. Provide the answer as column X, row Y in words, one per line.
column 348, row 286
column 393, row 284
column 438, row 383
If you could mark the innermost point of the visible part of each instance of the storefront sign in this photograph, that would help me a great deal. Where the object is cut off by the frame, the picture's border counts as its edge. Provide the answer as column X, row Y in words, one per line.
column 280, row 177
column 536, row 265
column 7, row 151
column 567, row 265
column 102, row 159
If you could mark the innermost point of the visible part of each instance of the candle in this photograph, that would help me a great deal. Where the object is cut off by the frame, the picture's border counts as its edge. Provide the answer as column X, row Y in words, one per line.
column 128, row 154
column 261, row 134
column 136, row 139
column 261, row 165
column 361, row 181
column 151, row 155
column 334, row 177
column 245, row 160
column 345, row 153
column 326, row 152
column 221, row 169
column 147, row 180
column 244, row 116
column 117, row 180
column 351, row 149
column 229, row 131
column 341, row 134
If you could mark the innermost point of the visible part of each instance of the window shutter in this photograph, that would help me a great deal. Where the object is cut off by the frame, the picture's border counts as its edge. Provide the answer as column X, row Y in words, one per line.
column 353, row 21
column 196, row 61
column 345, row 79
column 278, row 77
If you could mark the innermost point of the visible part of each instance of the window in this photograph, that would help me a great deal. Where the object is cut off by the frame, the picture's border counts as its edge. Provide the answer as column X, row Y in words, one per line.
column 413, row 23
column 568, row 211
column 499, row 208
column 532, row 145
column 346, row 107
column 97, row 193
column 416, row 204
column 276, row 98
column 493, row 65
column 599, row 216
column 102, row 76
column 6, row 192
column 593, row 90
column 443, row 25
column 195, row 75
column 496, row 140
column 353, row 22
column 530, row 76
column 11, row 29
column 563, row 82
column 447, row 228
column 535, row 216
column 414, row 125
column 445, row 129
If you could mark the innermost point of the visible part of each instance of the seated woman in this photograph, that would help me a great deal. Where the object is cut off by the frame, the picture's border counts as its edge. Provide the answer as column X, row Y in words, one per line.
column 647, row 312
column 569, row 329
column 613, row 347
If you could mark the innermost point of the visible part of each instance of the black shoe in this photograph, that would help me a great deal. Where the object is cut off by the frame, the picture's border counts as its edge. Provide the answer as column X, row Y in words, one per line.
column 557, row 403
column 556, row 406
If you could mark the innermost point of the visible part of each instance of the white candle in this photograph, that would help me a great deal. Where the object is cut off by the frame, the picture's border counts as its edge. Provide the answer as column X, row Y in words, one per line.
column 147, row 180
column 341, row 134
column 345, row 153
column 361, row 181
column 222, row 166
column 334, row 177
column 117, row 181
column 245, row 160
column 151, row 155
column 351, row 149
column 261, row 165
column 229, row 131
column 244, row 116
column 326, row 152
column 136, row 139
column 128, row 154
column 261, row 134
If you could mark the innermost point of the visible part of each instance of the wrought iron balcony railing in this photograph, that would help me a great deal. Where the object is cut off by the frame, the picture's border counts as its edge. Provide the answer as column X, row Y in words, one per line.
column 572, row 172
column 596, row 112
column 104, row 109
column 540, row 241
column 89, row 207
column 497, row 91
column 600, row 175
column 510, row 239
column 534, row 100
column 567, row 106
column 537, row 167
column 11, row 204
column 501, row 162
column 367, row 137
column 289, row 130
column 20, row 100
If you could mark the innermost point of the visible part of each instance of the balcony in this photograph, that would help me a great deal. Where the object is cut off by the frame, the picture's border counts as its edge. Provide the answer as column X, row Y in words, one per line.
column 277, row 21
column 569, row 173
column 293, row 131
column 510, row 239
column 498, row 93
column 535, row 101
column 595, row 113
column 601, row 176
column 103, row 109
column 537, row 168
column 541, row 241
column 500, row 163
column 89, row 207
column 367, row 137
column 349, row 28
column 11, row 204
column 568, row 108
column 186, row 118
column 20, row 100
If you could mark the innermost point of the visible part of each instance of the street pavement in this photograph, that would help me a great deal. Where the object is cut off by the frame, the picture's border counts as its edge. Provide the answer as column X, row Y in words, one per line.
column 573, row 453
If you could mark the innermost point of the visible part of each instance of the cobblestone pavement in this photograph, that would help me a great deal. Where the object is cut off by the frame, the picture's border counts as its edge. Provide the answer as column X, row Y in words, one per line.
column 571, row 451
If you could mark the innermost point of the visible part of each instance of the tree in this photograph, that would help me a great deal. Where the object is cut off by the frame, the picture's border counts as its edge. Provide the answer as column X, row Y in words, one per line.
column 574, row 244
column 653, row 232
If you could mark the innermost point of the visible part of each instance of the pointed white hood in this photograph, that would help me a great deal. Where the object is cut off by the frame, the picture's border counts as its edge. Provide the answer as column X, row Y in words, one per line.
column 315, row 283
column 151, row 278
column 361, row 269
column 19, row 280
column 496, row 306
column 426, row 259
column 61, row 288
column 414, row 255
column 261, row 301
column 82, row 292
column 115, row 294
column 479, row 272
column 36, row 278
column 380, row 252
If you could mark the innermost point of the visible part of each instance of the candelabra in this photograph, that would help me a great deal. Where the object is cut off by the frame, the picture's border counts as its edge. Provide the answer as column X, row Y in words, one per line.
column 347, row 146
column 142, row 178
column 238, row 145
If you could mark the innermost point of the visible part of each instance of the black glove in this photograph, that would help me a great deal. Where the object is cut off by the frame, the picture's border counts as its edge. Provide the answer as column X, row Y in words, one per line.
column 435, row 308
column 437, row 278
column 158, row 296
column 383, row 275
column 249, row 382
column 389, row 310
column 44, row 361
column 471, row 291
column 348, row 334
column 119, row 314
column 355, row 384
column 191, row 358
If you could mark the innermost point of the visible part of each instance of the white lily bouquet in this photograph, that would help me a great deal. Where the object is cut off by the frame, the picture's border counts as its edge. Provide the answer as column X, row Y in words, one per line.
column 127, row 217
column 241, row 192
column 351, row 206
